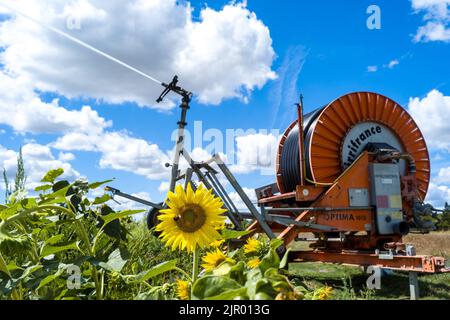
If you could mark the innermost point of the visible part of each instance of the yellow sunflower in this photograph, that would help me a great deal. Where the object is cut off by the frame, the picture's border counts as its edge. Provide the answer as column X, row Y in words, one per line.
column 323, row 293
column 192, row 219
column 254, row 263
column 183, row 290
column 252, row 246
column 217, row 243
column 214, row 259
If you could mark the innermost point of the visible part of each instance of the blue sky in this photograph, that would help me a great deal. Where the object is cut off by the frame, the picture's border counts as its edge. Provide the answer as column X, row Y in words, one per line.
column 323, row 49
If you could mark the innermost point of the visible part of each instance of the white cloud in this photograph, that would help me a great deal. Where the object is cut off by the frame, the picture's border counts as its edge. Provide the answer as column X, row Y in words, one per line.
column 119, row 151
column 437, row 9
column 393, row 63
column 444, row 176
column 437, row 18
column 285, row 90
column 438, row 195
column 38, row 160
column 234, row 196
column 224, row 54
column 432, row 114
column 256, row 152
column 164, row 187
column 23, row 110
column 122, row 152
column 77, row 141
column 66, row 156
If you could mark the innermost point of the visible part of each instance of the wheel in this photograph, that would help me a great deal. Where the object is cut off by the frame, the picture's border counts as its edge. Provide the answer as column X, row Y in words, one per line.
column 152, row 220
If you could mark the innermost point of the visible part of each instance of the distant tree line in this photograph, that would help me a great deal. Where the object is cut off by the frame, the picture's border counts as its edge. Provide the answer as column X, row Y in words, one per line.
column 444, row 219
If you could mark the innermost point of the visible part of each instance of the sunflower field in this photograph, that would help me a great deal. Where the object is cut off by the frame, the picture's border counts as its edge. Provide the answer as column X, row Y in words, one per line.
column 63, row 244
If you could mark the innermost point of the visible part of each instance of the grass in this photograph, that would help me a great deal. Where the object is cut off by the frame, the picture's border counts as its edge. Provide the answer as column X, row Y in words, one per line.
column 349, row 283
column 435, row 243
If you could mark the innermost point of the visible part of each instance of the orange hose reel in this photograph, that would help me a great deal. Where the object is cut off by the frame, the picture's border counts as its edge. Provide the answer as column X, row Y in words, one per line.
column 338, row 133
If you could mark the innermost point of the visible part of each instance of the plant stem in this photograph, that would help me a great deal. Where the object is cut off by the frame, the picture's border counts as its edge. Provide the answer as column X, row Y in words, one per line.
column 196, row 261
column 188, row 277
column 84, row 235
column 4, row 268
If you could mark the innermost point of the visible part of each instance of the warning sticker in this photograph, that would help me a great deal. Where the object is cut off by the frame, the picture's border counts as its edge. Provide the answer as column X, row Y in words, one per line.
column 395, row 202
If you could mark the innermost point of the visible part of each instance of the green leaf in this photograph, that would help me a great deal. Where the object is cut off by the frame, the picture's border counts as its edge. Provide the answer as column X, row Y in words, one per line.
column 56, row 197
column 211, row 287
column 253, row 277
column 263, row 296
column 116, row 260
column 233, row 234
column 96, row 185
column 102, row 199
column 50, row 249
column 49, row 279
column 223, row 270
column 276, row 243
column 264, row 290
column 44, row 187
column 30, row 270
column 284, row 262
column 156, row 271
column 8, row 212
column 240, row 294
column 52, row 175
column 54, row 239
column 28, row 203
column 12, row 266
column 119, row 215
column 270, row 260
column 238, row 273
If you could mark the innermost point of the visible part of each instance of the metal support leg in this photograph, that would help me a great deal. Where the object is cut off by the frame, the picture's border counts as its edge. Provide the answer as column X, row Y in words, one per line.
column 414, row 285
column 188, row 180
column 244, row 197
column 413, row 276
column 207, row 182
column 231, row 214
column 220, row 186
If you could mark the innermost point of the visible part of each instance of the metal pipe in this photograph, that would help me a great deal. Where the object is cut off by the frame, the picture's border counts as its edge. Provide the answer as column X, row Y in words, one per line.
column 244, row 197
column 283, row 220
column 116, row 192
column 224, row 192
column 318, row 209
column 221, row 195
column 301, row 144
column 180, row 142
column 400, row 156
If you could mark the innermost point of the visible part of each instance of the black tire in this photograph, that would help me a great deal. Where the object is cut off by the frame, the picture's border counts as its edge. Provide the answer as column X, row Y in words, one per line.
column 152, row 220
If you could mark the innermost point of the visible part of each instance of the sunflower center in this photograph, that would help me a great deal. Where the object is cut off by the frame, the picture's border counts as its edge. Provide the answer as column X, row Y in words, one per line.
column 191, row 219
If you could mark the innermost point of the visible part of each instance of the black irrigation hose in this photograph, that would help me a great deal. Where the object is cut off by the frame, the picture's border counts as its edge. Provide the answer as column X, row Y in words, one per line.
column 290, row 161
column 290, row 155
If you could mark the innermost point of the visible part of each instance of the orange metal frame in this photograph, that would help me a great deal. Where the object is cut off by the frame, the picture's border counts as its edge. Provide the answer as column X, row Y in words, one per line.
column 357, row 250
column 421, row 264
column 331, row 184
